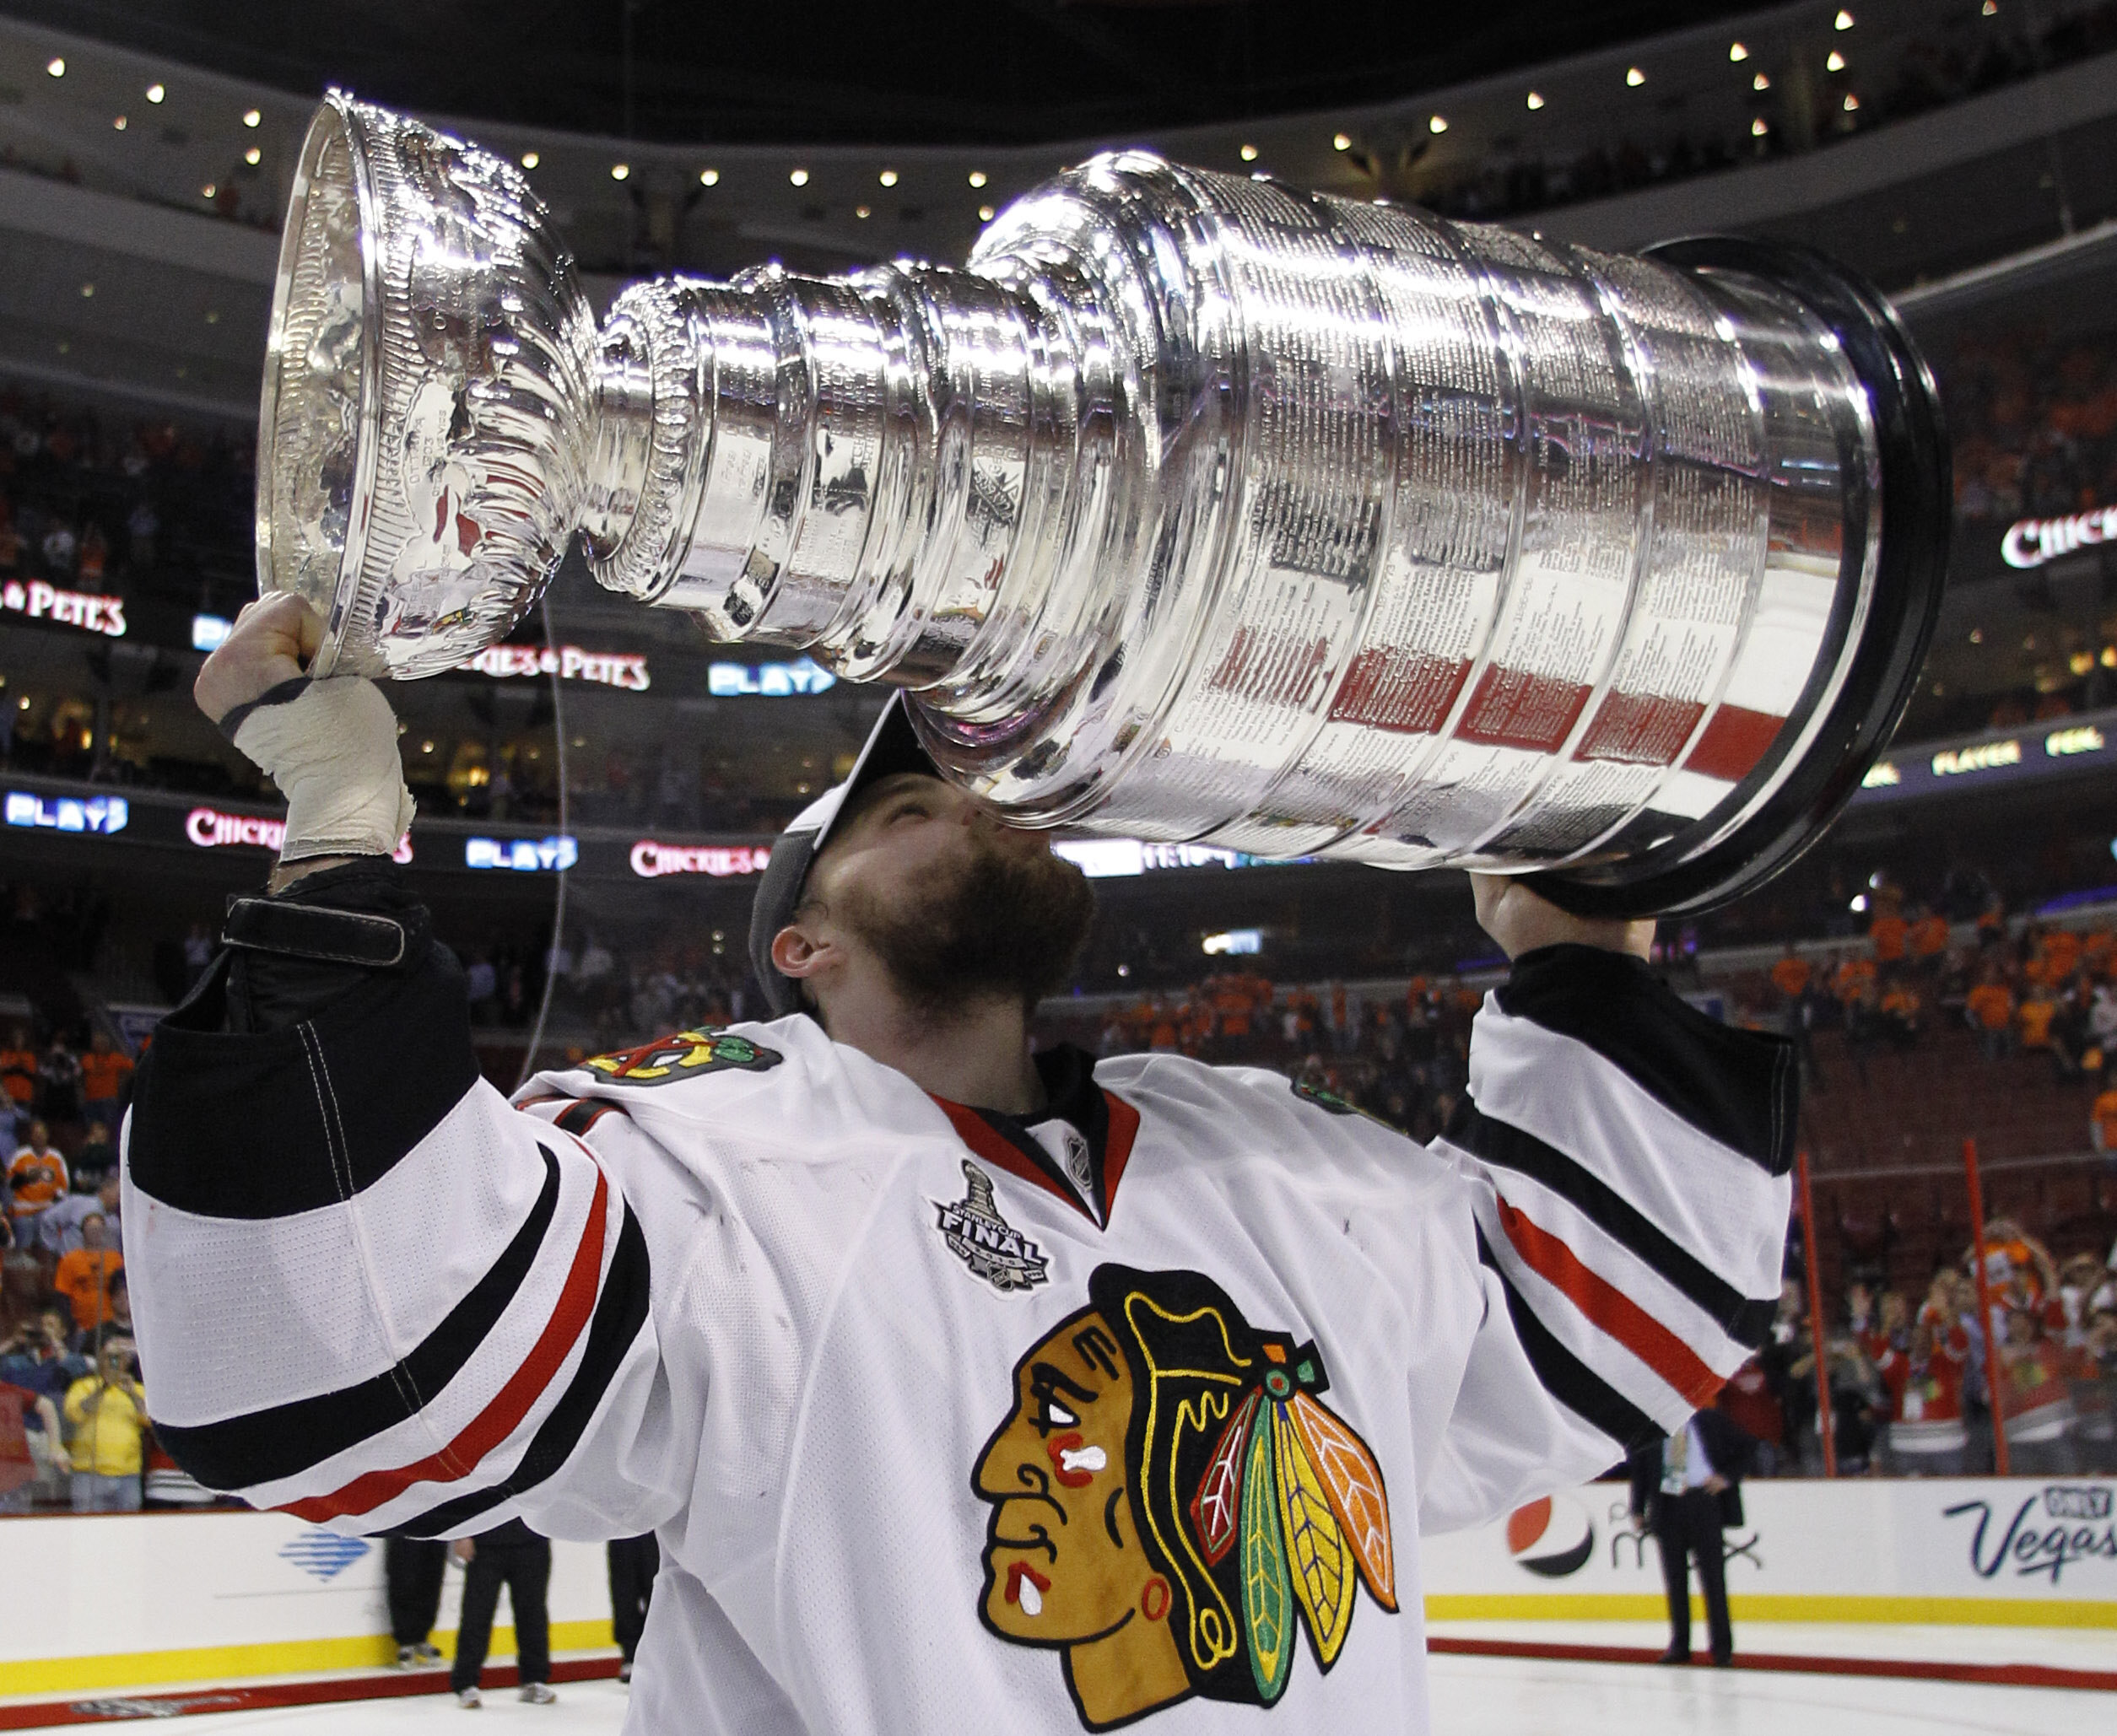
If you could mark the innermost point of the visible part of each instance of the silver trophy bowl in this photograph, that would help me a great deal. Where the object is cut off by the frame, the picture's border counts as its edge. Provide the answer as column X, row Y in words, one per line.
column 1195, row 508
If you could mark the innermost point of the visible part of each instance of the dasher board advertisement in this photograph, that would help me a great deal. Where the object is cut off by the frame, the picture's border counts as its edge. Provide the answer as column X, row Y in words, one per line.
column 2009, row 1551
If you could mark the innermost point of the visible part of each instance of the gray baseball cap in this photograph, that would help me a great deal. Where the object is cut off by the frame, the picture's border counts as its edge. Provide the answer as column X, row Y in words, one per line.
column 893, row 747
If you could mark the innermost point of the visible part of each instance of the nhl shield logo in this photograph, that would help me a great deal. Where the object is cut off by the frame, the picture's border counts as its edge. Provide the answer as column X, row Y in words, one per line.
column 986, row 1242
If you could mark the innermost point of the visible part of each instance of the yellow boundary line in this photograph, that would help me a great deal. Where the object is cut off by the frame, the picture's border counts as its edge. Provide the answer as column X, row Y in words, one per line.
column 1761, row 1606
column 270, row 1657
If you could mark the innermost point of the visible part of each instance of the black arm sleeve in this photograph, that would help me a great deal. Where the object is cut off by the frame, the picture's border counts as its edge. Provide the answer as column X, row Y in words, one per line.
column 249, row 992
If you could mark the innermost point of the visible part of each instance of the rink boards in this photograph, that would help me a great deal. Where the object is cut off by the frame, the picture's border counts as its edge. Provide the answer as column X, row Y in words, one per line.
column 2010, row 1552
column 130, row 1600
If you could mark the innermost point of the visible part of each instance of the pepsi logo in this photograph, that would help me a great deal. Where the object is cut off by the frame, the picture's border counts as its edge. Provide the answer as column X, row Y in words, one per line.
column 1551, row 1537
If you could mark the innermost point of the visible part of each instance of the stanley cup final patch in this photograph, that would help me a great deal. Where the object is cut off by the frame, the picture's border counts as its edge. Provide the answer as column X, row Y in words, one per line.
column 986, row 1242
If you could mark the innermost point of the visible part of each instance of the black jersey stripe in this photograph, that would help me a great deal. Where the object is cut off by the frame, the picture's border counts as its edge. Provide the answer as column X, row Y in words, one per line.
column 265, row 1446
column 1739, row 1088
column 1505, row 1146
column 270, row 1123
column 621, row 1314
column 1564, row 1376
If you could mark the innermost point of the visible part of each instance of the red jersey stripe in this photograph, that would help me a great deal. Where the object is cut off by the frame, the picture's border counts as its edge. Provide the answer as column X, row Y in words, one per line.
column 977, row 1133
column 1610, row 1309
column 503, row 1415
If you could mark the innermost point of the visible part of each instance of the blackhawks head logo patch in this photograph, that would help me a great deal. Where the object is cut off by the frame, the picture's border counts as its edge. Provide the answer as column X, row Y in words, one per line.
column 986, row 1242
column 1172, row 1501
column 684, row 1056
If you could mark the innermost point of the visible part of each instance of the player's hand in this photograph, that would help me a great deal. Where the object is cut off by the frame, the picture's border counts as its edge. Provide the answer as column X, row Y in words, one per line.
column 1521, row 921
column 464, row 1551
column 273, row 640
column 1715, row 1484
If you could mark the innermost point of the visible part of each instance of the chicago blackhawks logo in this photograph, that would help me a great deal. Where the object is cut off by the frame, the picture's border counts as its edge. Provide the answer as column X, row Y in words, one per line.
column 1171, row 1500
column 986, row 1242
column 684, row 1056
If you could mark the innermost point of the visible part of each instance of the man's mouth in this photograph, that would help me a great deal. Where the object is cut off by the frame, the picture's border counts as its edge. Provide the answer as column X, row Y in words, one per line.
column 1026, row 1586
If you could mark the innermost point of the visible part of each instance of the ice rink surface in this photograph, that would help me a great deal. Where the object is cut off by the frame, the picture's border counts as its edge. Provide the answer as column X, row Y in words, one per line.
column 1472, row 1696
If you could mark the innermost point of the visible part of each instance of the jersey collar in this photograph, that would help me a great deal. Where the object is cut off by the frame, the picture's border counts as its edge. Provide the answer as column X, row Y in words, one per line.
column 1108, row 1123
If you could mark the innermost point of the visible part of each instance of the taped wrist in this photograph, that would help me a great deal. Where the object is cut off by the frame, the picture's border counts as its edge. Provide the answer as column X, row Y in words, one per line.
column 331, row 747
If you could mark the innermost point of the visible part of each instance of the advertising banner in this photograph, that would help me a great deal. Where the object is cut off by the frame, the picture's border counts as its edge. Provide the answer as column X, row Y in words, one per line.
column 2013, row 1552
column 127, row 1600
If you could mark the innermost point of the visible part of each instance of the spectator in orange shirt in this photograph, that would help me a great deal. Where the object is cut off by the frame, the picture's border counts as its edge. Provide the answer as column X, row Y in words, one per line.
column 2094, row 951
column 1853, row 978
column 1990, row 1007
column 1901, row 1013
column 1927, row 942
column 18, row 1083
column 36, row 1177
column 1791, row 973
column 1888, row 931
column 83, row 1277
column 106, row 1074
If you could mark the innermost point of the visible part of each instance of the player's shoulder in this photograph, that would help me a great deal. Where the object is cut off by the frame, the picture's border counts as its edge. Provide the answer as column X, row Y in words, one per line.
column 1186, row 1089
column 784, row 1082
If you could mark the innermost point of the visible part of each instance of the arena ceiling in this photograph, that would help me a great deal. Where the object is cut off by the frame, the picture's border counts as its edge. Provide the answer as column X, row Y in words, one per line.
column 999, row 71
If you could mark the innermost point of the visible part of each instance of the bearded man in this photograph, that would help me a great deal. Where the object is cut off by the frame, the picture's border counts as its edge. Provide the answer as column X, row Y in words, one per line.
column 764, row 1290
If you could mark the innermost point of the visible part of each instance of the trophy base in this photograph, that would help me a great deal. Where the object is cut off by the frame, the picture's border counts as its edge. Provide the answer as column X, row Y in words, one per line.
column 1688, row 876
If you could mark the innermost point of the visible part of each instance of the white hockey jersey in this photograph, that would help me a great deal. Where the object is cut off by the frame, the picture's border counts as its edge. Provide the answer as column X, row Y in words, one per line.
column 946, row 1421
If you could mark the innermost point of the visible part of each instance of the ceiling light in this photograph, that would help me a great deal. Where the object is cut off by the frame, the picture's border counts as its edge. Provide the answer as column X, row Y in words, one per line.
column 209, row 190
column 1737, row 52
column 119, row 123
column 252, row 117
column 1836, row 63
column 888, row 177
column 1852, row 102
column 620, row 171
column 155, row 93
column 1339, row 142
column 253, row 156
column 977, row 177
column 213, row 317
column 1437, row 124
column 56, row 67
column 799, row 177
column 1249, row 154
column 88, row 289
column 709, row 177
column 1842, row 22
column 1757, row 129
column 1634, row 77
column 1536, row 99
column 862, row 211
column 1991, row 8
column 985, row 213
column 1760, row 83
column 530, row 159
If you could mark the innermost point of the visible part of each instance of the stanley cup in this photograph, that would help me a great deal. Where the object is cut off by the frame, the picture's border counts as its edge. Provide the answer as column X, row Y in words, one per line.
column 1193, row 507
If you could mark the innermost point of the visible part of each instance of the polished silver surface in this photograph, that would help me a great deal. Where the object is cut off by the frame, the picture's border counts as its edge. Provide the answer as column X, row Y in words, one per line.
column 1194, row 507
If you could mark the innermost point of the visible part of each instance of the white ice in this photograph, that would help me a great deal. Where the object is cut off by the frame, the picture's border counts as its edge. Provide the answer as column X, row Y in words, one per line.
column 1472, row 1696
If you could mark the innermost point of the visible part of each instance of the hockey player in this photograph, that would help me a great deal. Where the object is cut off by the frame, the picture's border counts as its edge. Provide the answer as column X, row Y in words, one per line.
column 965, row 1389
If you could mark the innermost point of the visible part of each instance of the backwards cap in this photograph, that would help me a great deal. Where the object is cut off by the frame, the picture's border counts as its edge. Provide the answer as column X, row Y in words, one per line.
column 893, row 747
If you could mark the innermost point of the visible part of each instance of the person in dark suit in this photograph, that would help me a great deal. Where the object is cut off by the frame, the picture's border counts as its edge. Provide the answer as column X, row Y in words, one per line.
column 514, row 1556
column 1685, row 1491
column 634, row 1562
column 412, row 1572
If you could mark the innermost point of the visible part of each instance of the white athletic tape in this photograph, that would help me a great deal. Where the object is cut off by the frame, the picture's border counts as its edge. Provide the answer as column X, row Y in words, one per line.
column 333, row 751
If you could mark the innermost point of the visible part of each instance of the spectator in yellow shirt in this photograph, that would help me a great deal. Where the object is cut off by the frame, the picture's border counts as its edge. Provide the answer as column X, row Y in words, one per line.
column 107, row 1412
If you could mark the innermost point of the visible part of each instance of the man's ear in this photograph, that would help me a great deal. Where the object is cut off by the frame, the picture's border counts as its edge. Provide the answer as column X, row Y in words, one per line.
column 798, row 954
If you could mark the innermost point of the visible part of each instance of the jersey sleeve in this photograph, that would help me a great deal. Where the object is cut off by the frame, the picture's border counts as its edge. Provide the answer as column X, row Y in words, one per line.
column 371, row 1293
column 1625, row 1161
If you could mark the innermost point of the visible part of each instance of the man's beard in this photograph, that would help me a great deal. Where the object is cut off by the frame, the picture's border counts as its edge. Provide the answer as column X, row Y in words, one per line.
column 1010, row 924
